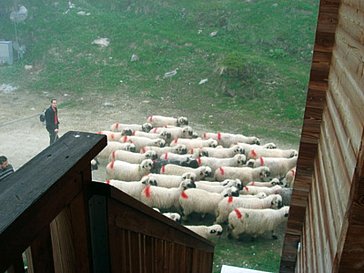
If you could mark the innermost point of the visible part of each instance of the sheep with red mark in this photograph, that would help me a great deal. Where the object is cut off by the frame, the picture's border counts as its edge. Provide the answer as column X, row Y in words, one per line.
column 204, row 202
column 214, row 163
column 261, row 152
column 211, row 187
column 201, row 172
column 171, row 181
column 119, row 127
column 227, row 139
column 194, row 143
column 177, row 149
column 125, row 171
column 161, row 121
column 228, row 204
column 207, row 232
column 252, row 190
column 163, row 134
column 289, row 178
column 113, row 136
column 221, row 152
column 132, row 157
column 132, row 188
column 141, row 142
column 115, row 146
column 176, row 132
column 165, row 198
column 278, row 166
column 245, row 174
column 273, row 182
column 256, row 222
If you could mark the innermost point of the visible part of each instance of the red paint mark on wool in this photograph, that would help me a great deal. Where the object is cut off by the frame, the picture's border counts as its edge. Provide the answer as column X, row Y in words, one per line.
column 150, row 118
column 154, row 130
column 261, row 161
column 204, row 135
column 293, row 172
column 117, row 125
column 246, row 188
column 142, row 150
column 218, row 136
column 238, row 213
column 230, row 199
column 125, row 139
column 253, row 153
column 133, row 133
column 147, row 191
column 184, row 195
column 199, row 161
column 111, row 165
column 107, row 181
column 163, row 169
column 113, row 155
column 112, row 136
column 99, row 133
column 166, row 156
column 222, row 171
column 175, row 141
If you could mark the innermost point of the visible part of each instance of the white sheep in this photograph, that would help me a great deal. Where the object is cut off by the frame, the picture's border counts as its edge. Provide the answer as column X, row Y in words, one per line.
column 273, row 182
column 115, row 146
column 289, row 178
column 177, row 149
column 171, row 181
column 228, row 204
column 214, row 162
column 175, row 132
column 249, row 147
column 112, row 136
column 227, row 139
column 161, row 121
column 255, row 222
column 255, row 190
column 278, row 166
column 125, row 171
column 132, row 188
column 132, row 157
column 221, row 152
column 163, row 134
column 259, row 152
column 207, row 232
column 194, row 143
column 177, row 157
column 245, row 174
column 165, row 198
column 141, row 142
column 118, row 127
column 175, row 216
column 212, row 187
column 201, row 172
column 201, row 201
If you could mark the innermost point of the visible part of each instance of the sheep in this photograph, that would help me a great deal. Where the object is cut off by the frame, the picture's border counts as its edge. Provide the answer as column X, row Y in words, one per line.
column 255, row 190
column 278, row 166
column 228, row 204
column 118, row 127
column 289, row 178
column 248, row 147
column 141, row 142
column 165, row 198
column 171, row 215
column 227, row 139
column 171, row 181
column 245, row 174
column 286, row 194
column 255, row 222
column 176, row 132
column 221, row 152
column 211, row 187
column 115, row 146
column 273, row 182
column 201, row 172
column 260, row 152
column 194, row 143
column 207, row 232
column 131, row 157
column 113, row 136
column 163, row 134
column 201, row 201
column 214, row 163
column 177, row 157
column 161, row 121
column 132, row 188
column 187, row 162
column 177, row 149
column 125, row 171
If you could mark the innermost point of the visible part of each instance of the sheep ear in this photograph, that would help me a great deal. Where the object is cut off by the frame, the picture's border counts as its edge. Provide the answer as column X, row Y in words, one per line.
column 212, row 231
column 286, row 215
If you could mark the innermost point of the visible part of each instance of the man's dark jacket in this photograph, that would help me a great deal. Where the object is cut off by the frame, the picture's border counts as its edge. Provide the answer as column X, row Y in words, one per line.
column 51, row 125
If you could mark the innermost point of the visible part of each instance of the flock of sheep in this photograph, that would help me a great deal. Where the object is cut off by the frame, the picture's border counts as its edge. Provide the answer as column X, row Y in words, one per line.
column 166, row 165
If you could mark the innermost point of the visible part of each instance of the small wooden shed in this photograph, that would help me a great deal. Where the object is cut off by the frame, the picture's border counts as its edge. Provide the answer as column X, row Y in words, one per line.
column 325, row 229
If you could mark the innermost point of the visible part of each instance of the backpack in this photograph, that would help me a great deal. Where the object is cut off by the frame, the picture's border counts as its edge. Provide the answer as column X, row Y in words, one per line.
column 42, row 116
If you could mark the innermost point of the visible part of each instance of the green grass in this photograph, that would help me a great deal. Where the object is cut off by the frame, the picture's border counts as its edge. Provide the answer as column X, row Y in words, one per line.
column 257, row 65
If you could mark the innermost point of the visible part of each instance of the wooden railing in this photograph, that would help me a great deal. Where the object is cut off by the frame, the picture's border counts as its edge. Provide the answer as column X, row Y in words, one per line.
column 51, row 210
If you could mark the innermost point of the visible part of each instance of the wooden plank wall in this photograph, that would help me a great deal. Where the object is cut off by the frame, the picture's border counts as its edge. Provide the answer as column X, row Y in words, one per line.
column 328, row 199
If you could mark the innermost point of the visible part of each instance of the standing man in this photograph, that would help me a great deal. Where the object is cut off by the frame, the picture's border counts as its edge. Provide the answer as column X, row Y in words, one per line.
column 5, row 168
column 51, row 117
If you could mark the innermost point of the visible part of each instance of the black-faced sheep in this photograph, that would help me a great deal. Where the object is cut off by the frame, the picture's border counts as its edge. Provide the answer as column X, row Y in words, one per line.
column 227, row 139
column 118, row 127
column 278, row 166
column 131, row 157
column 245, row 174
column 201, row 172
column 125, row 171
column 207, row 232
column 161, row 121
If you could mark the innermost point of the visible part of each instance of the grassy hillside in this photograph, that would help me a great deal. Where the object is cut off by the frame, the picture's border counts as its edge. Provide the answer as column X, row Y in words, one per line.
column 257, row 66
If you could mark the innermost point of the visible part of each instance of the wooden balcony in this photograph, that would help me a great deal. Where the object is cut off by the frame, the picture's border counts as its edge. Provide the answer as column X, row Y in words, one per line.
column 51, row 210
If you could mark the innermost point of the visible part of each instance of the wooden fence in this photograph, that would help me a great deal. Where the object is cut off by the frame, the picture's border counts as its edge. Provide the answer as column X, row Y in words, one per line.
column 51, row 210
